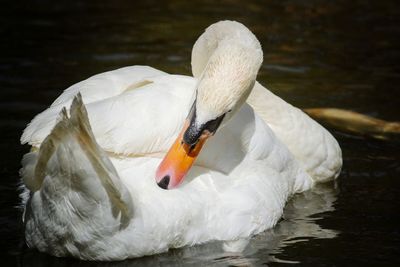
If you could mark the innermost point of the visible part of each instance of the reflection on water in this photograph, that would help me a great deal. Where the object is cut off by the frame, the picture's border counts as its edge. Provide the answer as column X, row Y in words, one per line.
column 299, row 224
column 341, row 54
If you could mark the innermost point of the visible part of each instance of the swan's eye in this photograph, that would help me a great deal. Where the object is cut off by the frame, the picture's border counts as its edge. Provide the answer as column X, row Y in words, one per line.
column 213, row 125
column 194, row 131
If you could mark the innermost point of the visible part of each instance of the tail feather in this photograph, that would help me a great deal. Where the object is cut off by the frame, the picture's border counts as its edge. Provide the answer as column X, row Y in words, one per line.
column 70, row 152
column 99, row 160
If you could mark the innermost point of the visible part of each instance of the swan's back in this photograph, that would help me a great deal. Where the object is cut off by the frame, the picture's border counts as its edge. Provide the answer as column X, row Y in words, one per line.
column 311, row 144
column 133, row 110
column 138, row 110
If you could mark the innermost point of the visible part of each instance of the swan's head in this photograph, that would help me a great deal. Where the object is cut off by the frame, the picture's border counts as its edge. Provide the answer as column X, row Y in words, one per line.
column 223, row 86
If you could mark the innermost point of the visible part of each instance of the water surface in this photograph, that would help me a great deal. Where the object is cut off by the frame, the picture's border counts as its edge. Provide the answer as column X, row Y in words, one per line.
column 341, row 54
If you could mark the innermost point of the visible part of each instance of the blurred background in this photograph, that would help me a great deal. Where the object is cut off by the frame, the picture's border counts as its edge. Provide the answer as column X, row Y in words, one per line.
column 341, row 54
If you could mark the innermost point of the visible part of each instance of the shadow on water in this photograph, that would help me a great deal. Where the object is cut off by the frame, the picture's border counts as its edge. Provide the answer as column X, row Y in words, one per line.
column 341, row 54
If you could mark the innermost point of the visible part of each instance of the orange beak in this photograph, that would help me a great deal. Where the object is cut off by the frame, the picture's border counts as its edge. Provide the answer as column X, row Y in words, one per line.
column 178, row 160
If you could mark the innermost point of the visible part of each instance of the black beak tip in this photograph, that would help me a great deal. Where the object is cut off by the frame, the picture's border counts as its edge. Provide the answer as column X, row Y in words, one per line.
column 163, row 183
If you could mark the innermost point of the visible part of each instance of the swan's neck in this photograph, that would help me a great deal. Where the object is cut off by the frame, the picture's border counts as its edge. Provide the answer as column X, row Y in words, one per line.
column 225, row 59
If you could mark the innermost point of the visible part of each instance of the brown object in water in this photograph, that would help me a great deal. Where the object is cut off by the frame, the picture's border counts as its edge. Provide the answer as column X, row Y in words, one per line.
column 355, row 123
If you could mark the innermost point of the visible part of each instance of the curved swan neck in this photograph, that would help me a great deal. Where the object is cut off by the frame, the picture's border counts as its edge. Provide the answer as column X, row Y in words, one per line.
column 217, row 36
column 225, row 59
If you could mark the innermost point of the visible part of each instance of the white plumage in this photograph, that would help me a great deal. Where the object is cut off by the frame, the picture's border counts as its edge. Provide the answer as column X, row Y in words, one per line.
column 92, row 189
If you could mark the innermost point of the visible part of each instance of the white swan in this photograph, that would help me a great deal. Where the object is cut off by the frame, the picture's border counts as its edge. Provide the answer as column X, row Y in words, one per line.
column 91, row 192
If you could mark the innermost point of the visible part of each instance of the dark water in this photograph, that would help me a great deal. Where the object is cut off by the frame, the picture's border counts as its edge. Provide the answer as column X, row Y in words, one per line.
column 340, row 54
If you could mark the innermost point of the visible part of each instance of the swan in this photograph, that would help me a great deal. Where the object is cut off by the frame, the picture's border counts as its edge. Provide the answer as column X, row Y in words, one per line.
column 136, row 161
